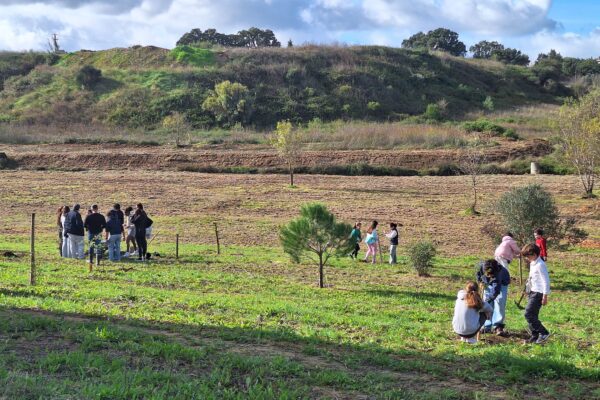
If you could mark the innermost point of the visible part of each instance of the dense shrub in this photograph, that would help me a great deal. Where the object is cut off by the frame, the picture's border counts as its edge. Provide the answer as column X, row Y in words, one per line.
column 433, row 112
column 483, row 125
column 421, row 255
column 87, row 77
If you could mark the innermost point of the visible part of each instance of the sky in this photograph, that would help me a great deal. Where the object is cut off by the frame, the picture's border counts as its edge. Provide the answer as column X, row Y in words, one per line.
column 572, row 27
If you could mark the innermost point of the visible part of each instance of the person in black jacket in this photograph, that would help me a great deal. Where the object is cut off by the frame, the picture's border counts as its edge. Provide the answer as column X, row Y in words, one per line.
column 73, row 227
column 114, row 230
column 141, row 221
column 94, row 223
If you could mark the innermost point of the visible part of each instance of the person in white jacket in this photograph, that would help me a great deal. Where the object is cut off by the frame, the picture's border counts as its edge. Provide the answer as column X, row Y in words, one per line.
column 538, row 289
column 470, row 313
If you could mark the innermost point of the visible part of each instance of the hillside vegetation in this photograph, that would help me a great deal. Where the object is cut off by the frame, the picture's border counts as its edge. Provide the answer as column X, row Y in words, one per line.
column 139, row 86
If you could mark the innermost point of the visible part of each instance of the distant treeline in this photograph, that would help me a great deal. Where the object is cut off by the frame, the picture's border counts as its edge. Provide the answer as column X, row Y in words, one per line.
column 251, row 38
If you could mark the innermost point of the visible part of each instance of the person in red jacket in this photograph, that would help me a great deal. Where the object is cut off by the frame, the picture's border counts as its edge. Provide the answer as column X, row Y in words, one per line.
column 540, row 241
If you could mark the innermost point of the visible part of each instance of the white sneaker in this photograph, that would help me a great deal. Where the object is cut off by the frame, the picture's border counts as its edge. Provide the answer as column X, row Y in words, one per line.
column 126, row 254
column 471, row 340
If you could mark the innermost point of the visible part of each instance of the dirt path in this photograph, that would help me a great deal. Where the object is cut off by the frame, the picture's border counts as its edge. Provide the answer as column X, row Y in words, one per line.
column 111, row 156
column 414, row 381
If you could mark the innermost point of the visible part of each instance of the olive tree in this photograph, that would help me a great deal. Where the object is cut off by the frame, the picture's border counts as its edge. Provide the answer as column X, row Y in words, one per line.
column 525, row 208
column 579, row 123
column 316, row 236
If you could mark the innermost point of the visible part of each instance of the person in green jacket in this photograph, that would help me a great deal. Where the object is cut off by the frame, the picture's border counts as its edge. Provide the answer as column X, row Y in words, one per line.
column 356, row 237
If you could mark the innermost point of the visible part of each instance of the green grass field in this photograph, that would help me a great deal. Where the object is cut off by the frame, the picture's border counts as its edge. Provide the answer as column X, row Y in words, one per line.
column 250, row 324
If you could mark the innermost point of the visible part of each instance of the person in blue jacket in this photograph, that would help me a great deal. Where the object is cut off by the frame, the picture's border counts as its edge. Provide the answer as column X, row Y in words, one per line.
column 496, row 279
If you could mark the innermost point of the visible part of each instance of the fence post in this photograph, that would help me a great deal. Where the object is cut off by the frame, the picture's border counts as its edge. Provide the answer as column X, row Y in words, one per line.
column 32, row 250
column 177, row 246
column 217, row 235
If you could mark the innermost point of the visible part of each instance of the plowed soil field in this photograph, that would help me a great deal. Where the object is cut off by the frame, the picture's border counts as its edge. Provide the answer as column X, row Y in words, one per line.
column 112, row 156
column 249, row 208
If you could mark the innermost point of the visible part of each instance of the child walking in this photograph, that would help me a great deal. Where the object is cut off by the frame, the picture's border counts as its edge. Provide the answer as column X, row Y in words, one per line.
column 356, row 237
column 371, row 240
column 538, row 289
column 540, row 241
column 470, row 312
column 393, row 236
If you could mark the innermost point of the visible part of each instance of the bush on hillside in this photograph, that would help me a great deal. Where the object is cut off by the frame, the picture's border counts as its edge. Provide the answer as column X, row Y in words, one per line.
column 87, row 77
column 421, row 255
column 487, row 126
column 230, row 103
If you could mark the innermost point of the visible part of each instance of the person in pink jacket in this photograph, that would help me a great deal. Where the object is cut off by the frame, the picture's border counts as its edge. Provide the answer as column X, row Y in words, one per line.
column 507, row 250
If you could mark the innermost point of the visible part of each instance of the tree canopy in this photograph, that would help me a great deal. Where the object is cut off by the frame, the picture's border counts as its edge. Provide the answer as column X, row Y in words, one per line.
column 440, row 39
column 497, row 51
column 251, row 38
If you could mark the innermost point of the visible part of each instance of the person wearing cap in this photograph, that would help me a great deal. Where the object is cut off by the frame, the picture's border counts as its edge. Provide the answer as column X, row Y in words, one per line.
column 74, row 230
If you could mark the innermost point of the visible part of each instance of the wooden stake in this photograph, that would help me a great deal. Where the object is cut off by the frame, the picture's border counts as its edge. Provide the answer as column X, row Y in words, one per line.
column 380, row 253
column 217, row 235
column 520, row 270
column 32, row 272
column 177, row 246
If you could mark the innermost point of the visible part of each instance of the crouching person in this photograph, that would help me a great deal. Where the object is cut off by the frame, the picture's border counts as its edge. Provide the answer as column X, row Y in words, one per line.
column 496, row 279
column 470, row 313
column 114, row 230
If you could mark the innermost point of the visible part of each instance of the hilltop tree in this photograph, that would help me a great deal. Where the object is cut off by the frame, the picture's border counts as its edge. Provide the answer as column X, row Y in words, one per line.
column 287, row 141
column 579, row 123
column 440, row 39
column 251, row 38
column 229, row 102
column 316, row 236
column 254, row 38
column 497, row 51
column 485, row 49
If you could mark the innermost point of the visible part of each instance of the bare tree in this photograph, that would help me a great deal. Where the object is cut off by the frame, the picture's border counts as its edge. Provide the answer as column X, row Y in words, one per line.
column 471, row 163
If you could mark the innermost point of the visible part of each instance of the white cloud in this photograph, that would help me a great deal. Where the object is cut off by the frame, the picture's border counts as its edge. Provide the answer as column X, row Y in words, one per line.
column 508, row 17
column 97, row 24
column 568, row 44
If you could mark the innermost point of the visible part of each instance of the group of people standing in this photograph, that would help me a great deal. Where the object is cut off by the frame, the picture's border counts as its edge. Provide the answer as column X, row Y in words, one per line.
column 372, row 241
column 133, row 226
column 484, row 311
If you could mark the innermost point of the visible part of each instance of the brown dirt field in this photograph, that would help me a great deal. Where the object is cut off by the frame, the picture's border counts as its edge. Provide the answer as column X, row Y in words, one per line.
column 249, row 208
column 112, row 156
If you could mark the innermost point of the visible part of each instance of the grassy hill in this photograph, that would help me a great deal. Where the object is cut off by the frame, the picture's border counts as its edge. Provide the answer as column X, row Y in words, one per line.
column 142, row 85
